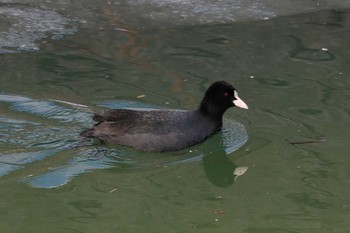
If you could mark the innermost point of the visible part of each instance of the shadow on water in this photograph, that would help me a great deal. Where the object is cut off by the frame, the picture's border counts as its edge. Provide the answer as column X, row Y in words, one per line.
column 220, row 170
column 48, row 131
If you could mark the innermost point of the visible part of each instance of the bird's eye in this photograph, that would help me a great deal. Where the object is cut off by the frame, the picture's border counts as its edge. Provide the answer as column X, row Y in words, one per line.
column 226, row 94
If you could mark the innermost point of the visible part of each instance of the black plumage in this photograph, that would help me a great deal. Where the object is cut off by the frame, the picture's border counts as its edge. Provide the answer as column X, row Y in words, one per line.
column 166, row 129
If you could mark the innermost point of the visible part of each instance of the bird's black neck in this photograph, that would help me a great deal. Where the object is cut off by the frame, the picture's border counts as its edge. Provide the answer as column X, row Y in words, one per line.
column 211, row 111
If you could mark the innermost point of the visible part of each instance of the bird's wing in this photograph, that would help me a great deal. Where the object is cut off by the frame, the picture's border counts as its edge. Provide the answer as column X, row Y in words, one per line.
column 119, row 115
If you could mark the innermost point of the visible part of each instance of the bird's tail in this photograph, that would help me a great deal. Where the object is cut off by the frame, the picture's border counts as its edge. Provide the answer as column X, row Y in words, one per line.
column 89, row 133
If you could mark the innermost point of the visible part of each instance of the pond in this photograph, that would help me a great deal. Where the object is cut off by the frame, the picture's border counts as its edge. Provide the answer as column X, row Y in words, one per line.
column 281, row 166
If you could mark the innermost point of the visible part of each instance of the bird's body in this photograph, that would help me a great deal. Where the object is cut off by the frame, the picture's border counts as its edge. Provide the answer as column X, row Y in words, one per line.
column 165, row 129
column 149, row 130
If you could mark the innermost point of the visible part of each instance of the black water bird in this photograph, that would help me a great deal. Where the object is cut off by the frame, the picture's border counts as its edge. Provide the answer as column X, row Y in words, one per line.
column 166, row 129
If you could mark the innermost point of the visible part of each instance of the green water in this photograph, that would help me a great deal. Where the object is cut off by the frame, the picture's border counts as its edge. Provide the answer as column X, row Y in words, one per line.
column 293, row 72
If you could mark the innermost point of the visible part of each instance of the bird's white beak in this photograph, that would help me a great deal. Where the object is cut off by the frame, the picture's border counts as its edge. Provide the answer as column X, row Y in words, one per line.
column 239, row 103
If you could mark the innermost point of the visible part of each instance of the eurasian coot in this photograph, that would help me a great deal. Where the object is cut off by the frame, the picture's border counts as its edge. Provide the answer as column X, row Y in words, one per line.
column 166, row 129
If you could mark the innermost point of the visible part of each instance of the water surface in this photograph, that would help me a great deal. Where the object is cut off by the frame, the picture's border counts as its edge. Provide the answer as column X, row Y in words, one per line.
column 292, row 72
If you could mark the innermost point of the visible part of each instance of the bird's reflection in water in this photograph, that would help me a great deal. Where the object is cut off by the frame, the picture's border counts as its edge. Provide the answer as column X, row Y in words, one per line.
column 220, row 170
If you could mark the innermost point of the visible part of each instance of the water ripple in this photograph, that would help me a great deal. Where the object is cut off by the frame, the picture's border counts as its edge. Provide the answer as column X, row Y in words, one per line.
column 45, row 108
